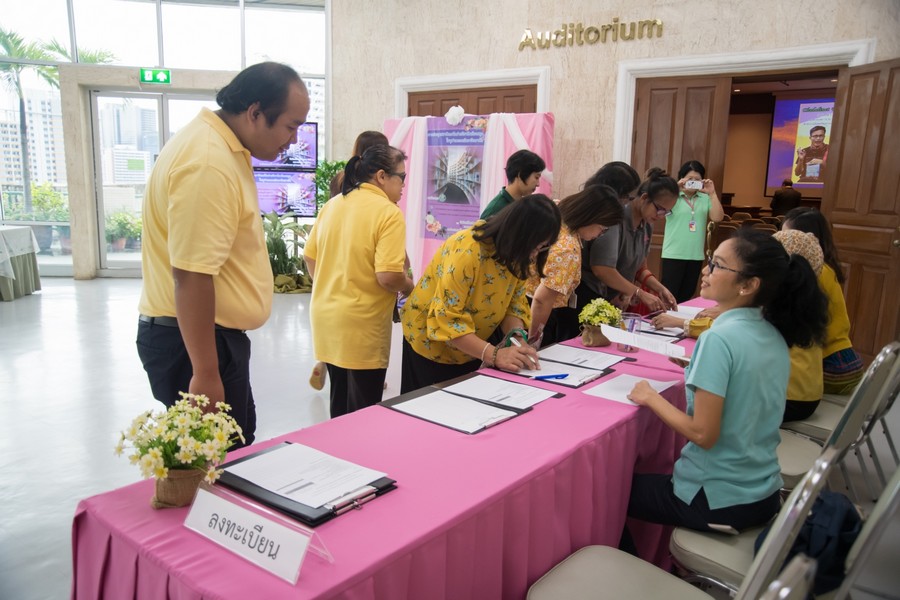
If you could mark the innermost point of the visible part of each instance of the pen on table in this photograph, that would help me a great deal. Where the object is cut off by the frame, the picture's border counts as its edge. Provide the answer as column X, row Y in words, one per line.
column 519, row 345
column 554, row 376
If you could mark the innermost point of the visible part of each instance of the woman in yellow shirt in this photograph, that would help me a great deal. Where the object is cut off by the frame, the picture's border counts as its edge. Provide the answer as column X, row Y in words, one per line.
column 355, row 254
column 585, row 216
column 476, row 282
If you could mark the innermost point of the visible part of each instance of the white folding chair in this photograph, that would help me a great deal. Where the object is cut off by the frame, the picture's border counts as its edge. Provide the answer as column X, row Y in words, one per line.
column 794, row 582
column 604, row 572
column 727, row 561
column 845, row 427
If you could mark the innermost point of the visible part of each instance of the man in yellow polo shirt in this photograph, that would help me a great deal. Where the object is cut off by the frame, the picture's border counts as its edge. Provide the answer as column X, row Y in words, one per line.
column 206, row 270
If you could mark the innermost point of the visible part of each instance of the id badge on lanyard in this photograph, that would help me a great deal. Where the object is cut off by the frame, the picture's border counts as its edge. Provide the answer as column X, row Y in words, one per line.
column 692, row 225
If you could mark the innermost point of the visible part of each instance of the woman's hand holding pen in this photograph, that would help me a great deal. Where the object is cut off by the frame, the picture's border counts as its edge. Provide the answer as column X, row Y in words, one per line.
column 517, row 357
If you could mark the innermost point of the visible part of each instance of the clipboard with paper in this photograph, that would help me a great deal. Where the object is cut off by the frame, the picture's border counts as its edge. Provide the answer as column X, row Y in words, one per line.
column 304, row 483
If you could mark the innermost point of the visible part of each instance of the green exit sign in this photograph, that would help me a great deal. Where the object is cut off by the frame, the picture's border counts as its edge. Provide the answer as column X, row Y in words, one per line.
column 163, row 76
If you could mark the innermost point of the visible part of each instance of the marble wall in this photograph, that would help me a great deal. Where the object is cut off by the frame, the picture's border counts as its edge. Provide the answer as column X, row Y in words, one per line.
column 372, row 47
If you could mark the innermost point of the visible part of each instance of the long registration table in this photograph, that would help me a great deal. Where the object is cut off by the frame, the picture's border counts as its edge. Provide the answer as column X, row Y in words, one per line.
column 474, row 516
column 18, row 262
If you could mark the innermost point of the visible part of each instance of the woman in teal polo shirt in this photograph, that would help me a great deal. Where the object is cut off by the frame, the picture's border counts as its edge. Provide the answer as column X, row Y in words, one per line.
column 682, row 251
column 728, row 473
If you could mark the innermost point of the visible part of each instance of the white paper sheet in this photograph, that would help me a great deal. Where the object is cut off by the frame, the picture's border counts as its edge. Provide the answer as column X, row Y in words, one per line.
column 617, row 388
column 454, row 411
column 656, row 344
column 580, row 357
column 500, row 391
column 684, row 312
column 304, row 474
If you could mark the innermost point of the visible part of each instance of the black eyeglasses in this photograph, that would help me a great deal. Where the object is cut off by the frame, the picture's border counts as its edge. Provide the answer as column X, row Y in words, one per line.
column 713, row 265
column 660, row 211
column 402, row 176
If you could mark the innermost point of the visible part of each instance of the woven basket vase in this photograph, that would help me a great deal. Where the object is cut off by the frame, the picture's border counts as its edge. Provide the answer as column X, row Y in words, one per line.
column 592, row 336
column 177, row 489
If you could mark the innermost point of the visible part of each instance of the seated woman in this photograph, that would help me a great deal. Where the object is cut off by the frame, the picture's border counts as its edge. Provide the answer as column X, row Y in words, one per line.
column 842, row 366
column 728, row 472
column 585, row 216
column 475, row 282
column 615, row 266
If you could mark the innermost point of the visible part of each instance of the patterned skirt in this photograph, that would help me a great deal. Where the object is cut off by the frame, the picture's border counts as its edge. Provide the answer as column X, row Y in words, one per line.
column 842, row 370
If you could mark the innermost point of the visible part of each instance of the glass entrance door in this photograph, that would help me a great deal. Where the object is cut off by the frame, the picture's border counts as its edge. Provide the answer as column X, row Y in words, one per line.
column 129, row 130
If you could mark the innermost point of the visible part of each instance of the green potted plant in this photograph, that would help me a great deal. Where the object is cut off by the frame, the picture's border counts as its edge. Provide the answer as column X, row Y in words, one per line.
column 596, row 313
column 325, row 172
column 285, row 240
column 119, row 225
column 48, row 205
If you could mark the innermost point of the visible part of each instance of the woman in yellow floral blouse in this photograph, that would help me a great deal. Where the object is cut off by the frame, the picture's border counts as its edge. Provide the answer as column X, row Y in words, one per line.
column 585, row 216
column 476, row 282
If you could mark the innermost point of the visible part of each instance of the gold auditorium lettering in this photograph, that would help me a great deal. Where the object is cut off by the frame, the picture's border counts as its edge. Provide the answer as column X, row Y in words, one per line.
column 576, row 34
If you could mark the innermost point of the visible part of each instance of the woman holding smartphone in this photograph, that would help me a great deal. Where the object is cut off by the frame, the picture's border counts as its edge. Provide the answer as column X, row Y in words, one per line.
column 682, row 251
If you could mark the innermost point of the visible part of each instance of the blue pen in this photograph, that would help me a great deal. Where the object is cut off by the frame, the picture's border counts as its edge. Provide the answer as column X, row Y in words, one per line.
column 546, row 377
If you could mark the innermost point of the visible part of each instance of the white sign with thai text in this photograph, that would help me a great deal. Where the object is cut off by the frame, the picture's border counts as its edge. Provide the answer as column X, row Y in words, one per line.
column 267, row 544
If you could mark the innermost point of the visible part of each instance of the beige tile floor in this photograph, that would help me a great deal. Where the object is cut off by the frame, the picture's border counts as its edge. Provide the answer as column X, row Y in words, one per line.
column 70, row 380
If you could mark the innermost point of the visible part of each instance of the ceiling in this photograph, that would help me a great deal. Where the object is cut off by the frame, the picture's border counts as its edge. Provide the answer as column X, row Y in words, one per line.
column 762, row 84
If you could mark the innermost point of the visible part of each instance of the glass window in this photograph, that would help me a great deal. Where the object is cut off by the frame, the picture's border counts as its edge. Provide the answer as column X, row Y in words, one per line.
column 202, row 37
column 292, row 36
column 46, row 207
column 127, row 30
column 38, row 21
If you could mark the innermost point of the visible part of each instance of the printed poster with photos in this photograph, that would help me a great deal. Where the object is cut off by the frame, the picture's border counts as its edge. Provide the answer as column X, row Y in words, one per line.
column 453, row 180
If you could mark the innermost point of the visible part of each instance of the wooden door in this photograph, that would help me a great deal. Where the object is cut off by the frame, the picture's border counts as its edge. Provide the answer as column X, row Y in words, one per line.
column 861, row 198
column 678, row 119
column 479, row 101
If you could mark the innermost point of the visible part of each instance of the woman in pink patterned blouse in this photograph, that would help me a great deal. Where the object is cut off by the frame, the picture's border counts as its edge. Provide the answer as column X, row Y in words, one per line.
column 585, row 216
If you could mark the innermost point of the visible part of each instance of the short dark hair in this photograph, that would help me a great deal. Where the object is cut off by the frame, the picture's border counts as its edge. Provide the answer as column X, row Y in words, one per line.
column 594, row 205
column 522, row 164
column 789, row 293
column 691, row 165
column 267, row 83
column 361, row 169
column 811, row 220
column 518, row 230
column 787, row 183
column 658, row 182
column 618, row 175
column 817, row 128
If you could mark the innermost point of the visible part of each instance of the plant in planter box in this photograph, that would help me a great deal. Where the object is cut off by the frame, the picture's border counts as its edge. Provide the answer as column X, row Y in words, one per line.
column 285, row 240
column 119, row 225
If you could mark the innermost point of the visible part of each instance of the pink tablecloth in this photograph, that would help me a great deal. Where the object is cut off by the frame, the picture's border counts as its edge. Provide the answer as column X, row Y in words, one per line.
column 479, row 516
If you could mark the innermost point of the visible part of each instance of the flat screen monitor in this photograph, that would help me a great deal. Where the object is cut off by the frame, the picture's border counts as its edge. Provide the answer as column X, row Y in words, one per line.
column 798, row 149
column 282, row 191
column 302, row 154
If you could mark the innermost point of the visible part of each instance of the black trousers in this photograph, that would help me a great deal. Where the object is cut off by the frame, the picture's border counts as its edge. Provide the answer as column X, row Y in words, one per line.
column 419, row 371
column 653, row 499
column 353, row 389
column 797, row 410
column 168, row 366
column 680, row 277
column 562, row 325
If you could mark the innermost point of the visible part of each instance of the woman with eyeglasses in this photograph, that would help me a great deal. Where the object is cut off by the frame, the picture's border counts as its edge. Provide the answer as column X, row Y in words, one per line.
column 615, row 266
column 475, row 283
column 682, row 251
column 355, row 254
column 585, row 216
column 728, row 473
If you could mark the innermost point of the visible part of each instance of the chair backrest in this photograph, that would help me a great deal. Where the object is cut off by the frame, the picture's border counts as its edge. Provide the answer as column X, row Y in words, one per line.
column 890, row 391
column 872, row 392
column 768, row 227
column 784, row 530
column 750, row 222
column 794, row 582
column 740, row 216
column 771, row 220
column 871, row 533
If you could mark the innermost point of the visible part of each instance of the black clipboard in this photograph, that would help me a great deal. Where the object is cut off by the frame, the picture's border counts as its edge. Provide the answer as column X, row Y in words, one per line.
column 313, row 517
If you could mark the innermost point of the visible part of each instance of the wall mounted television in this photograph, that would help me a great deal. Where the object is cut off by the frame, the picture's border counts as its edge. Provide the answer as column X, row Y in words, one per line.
column 799, row 143
column 285, row 190
column 301, row 154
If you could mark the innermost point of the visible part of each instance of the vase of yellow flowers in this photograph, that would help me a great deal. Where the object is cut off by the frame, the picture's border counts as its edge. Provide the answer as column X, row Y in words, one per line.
column 596, row 313
column 180, row 447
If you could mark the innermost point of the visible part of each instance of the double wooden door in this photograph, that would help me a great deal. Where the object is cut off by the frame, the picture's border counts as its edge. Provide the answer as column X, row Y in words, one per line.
column 678, row 119
column 480, row 101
